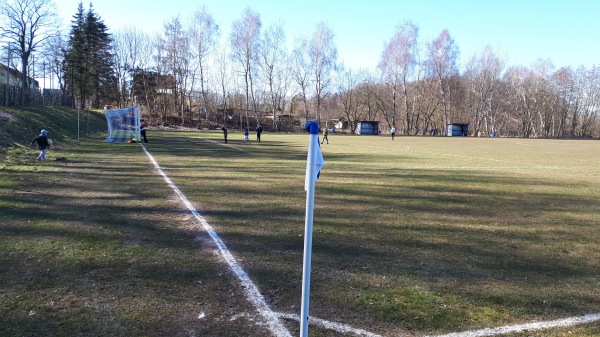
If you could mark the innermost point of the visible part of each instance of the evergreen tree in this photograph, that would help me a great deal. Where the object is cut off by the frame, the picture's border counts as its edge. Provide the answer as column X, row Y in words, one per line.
column 89, row 70
column 75, row 56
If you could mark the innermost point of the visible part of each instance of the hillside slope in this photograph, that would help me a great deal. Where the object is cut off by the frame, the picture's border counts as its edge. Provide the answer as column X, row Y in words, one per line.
column 18, row 126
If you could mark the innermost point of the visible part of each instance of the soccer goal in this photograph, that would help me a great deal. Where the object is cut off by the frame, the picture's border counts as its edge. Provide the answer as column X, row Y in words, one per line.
column 123, row 124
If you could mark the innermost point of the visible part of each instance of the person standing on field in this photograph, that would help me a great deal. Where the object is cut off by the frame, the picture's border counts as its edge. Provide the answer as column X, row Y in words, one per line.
column 325, row 133
column 246, row 136
column 259, row 131
column 393, row 132
column 43, row 144
column 143, row 133
column 224, row 134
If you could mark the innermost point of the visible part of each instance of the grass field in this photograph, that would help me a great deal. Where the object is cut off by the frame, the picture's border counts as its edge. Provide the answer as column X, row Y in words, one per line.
column 416, row 236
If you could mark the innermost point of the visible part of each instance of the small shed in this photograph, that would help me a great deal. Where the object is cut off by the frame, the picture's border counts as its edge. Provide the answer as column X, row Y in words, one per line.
column 457, row 130
column 367, row 128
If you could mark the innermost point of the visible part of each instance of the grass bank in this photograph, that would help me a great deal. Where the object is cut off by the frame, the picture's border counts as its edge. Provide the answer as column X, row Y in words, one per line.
column 66, row 126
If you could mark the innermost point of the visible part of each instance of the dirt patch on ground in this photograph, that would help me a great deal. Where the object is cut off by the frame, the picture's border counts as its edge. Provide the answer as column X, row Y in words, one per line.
column 7, row 116
column 63, row 160
column 28, row 193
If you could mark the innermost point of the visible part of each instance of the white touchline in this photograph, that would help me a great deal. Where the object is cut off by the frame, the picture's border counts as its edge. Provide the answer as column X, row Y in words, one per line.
column 277, row 328
column 252, row 291
column 528, row 326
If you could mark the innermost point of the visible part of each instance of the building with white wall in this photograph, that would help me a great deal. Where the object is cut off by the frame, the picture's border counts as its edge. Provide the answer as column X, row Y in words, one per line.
column 14, row 78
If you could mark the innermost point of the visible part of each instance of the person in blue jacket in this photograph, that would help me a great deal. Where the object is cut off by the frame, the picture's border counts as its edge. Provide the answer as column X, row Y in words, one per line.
column 246, row 136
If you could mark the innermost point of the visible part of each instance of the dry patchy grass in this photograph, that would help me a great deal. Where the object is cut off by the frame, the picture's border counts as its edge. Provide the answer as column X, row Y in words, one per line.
column 417, row 236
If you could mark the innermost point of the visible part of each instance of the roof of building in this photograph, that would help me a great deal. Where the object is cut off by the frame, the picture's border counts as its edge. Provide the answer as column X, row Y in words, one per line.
column 17, row 74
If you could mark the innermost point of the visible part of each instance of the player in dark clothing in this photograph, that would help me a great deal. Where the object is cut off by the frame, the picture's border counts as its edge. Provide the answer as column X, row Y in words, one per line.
column 224, row 134
column 325, row 134
column 143, row 133
column 43, row 144
column 259, row 130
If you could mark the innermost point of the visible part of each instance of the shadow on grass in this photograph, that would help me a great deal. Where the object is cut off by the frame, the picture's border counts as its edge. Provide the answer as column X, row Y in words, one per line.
column 426, row 250
column 93, row 248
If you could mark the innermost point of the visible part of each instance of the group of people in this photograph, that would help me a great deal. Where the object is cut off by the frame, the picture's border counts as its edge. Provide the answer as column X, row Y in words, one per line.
column 259, row 131
column 44, row 143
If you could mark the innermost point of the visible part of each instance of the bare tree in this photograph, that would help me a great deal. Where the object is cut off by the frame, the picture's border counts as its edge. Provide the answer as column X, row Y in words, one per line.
column 145, row 73
column 540, row 81
column 174, row 52
column 424, row 104
column 272, row 62
column 349, row 98
column 244, row 38
column 122, row 64
column 301, row 70
column 204, row 32
column 368, row 96
column 585, row 115
column 54, row 56
column 483, row 75
column 223, row 79
column 28, row 24
column 564, row 88
column 323, row 57
column 397, row 64
column 441, row 64
column 527, row 88
column 131, row 47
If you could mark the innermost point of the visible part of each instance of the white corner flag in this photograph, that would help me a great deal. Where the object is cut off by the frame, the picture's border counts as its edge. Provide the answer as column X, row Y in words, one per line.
column 314, row 160
column 314, row 163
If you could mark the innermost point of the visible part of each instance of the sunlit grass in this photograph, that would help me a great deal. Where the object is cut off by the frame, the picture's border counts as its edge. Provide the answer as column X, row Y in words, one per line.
column 455, row 216
column 421, row 235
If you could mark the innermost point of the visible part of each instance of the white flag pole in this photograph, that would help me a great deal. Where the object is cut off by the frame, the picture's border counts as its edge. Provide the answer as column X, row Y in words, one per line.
column 314, row 162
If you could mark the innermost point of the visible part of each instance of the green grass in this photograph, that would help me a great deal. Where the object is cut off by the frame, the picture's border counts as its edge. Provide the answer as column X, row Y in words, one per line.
column 94, row 247
column 418, row 236
column 422, row 234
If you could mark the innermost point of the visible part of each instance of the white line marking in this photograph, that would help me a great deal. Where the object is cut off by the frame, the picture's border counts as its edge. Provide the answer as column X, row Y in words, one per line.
column 252, row 292
column 338, row 327
column 528, row 326
column 272, row 318
column 219, row 143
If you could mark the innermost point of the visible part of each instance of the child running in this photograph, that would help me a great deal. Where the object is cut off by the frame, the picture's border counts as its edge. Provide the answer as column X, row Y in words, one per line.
column 43, row 144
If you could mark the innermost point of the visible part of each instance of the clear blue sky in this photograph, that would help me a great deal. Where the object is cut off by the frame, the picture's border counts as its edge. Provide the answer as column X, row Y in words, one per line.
column 567, row 31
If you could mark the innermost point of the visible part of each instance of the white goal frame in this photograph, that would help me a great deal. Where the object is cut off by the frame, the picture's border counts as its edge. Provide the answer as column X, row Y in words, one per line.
column 123, row 124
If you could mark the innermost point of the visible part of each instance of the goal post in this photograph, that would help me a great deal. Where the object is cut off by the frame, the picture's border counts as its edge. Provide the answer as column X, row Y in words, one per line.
column 123, row 124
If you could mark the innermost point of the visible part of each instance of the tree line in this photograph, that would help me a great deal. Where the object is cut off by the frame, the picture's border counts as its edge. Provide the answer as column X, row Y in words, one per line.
column 188, row 74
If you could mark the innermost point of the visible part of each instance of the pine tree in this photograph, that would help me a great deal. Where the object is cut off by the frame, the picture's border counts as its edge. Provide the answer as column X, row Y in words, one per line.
column 89, row 70
column 75, row 56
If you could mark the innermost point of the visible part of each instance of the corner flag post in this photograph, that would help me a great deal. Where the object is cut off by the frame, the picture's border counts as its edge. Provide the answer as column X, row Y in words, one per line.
column 314, row 162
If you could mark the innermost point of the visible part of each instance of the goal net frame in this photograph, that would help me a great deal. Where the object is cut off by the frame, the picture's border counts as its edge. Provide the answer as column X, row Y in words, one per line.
column 123, row 124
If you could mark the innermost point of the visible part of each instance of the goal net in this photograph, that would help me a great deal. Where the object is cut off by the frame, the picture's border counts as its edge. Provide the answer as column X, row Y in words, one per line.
column 123, row 124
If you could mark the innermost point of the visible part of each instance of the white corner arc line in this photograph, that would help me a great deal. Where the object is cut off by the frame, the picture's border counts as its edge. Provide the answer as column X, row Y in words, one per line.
column 252, row 292
column 338, row 327
column 277, row 328
column 565, row 322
